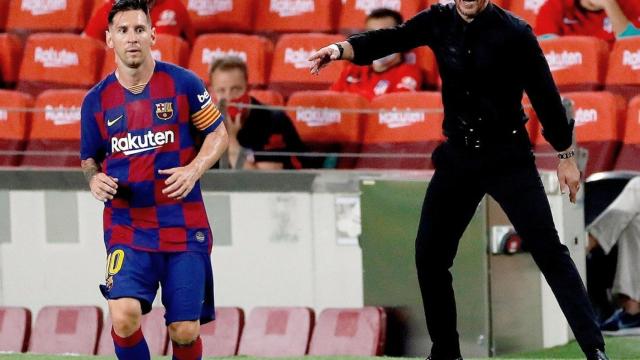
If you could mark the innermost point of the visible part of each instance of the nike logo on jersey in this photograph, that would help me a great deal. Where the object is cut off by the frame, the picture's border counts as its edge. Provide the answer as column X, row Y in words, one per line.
column 112, row 122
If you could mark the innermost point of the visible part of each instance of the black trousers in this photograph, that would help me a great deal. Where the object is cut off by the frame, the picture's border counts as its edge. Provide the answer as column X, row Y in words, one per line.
column 462, row 177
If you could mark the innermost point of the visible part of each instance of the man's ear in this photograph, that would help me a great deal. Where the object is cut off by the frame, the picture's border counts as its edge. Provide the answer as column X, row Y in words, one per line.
column 109, row 39
column 153, row 36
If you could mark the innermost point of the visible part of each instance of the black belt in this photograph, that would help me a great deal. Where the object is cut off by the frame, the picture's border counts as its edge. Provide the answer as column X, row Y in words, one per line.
column 472, row 140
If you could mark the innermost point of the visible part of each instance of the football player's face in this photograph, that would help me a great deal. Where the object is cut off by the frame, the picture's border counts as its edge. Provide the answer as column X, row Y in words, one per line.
column 131, row 36
column 469, row 9
column 228, row 84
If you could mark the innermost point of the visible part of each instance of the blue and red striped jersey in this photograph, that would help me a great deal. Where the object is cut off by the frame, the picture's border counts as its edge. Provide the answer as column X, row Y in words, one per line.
column 133, row 136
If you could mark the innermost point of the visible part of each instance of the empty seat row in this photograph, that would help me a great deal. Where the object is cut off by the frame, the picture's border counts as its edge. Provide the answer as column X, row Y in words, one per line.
column 268, row 332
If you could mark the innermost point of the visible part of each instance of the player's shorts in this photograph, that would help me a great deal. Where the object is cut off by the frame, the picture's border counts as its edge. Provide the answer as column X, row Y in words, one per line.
column 186, row 279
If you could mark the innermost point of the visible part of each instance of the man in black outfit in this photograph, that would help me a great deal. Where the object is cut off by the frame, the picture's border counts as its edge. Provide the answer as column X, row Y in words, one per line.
column 487, row 58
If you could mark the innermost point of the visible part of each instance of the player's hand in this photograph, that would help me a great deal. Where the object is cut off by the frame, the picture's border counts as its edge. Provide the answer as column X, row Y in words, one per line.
column 180, row 182
column 322, row 58
column 103, row 187
column 569, row 177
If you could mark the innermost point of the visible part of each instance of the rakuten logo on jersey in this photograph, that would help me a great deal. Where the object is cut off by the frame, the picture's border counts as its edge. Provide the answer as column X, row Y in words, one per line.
column 52, row 58
column 318, row 117
column 631, row 59
column 286, row 8
column 585, row 116
column 298, row 58
column 369, row 5
column 534, row 5
column 134, row 144
column 4, row 115
column 61, row 115
column 210, row 7
column 208, row 55
column 394, row 119
column 43, row 7
column 563, row 60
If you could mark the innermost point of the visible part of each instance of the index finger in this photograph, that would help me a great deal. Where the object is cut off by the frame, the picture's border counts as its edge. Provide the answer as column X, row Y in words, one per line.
column 108, row 180
column 317, row 55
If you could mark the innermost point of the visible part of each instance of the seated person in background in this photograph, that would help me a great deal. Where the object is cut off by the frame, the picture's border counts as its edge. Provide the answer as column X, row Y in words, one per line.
column 620, row 223
column 386, row 75
column 604, row 19
column 251, row 130
column 167, row 16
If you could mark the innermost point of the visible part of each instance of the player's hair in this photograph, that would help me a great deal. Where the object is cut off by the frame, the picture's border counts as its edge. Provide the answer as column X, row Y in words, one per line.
column 382, row 13
column 126, row 5
column 227, row 63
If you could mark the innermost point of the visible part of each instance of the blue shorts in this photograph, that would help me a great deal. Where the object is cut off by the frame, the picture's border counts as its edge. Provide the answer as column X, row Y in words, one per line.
column 186, row 279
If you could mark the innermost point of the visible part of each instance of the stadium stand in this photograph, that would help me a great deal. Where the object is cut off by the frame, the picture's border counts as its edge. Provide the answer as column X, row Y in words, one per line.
column 55, row 132
column 398, row 132
column 290, row 68
column 354, row 12
column 282, row 16
column 153, row 328
column 4, row 11
column 268, row 97
column 14, row 125
column 324, row 129
column 222, row 336
column 526, row 9
column 221, row 15
column 623, row 76
column 10, row 57
column 578, row 63
column 355, row 332
column 598, row 128
column 54, row 61
column 277, row 332
column 426, row 61
column 628, row 158
column 66, row 329
column 96, row 4
column 28, row 16
column 105, row 342
column 15, row 329
column 255, row 50
column 533, row 124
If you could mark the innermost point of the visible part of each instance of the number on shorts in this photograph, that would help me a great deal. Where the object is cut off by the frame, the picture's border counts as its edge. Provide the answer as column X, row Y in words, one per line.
column 114, row 262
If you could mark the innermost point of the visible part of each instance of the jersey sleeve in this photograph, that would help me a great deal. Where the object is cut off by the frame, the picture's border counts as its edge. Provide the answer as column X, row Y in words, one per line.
column 549, row 19
column 204, row 115
column 91, row 141
column 98, row 23
column 410, row 79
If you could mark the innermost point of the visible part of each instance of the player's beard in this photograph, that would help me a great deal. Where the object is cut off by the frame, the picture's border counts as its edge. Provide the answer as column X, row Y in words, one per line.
column 470, row 8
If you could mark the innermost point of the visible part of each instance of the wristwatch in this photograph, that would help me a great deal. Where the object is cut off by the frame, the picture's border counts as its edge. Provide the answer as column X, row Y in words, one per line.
column 566, row 154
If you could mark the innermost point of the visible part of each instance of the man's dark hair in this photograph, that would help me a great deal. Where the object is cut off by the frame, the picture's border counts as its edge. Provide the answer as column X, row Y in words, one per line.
column 227, row 63
column 385, row 13
column 126, row 5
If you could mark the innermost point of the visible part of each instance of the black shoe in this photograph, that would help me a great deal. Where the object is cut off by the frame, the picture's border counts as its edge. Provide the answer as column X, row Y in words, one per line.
column 430, row 357
column 598, row 355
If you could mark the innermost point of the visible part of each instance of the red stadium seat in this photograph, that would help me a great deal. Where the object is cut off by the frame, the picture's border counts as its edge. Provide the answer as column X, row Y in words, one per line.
column 355, row 12
column 14, row 125
column 533, row 125
column 282, row 16
column 221, row 15
column 255, row 50
column 353, row 332
column 153, row 328
column 54, row 140
column 324, row 129
column 222, row 336
column 66, row 329
column 392, row 131
column 38, row 16
column 268, row 97
column 60, row 61
column 4, row 11
column 578, row 63
column 623, row 76
column 598, row 128
column 628, row 158
column 277, row 332
column 290, row 68
column 10, row 57
column 526, row 9
column 15, row 329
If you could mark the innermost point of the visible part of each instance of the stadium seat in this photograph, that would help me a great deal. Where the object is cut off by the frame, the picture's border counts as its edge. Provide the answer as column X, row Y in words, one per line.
column 222, row 336
column 66, row 330
column 623, row 76
column 54, row 140
column 355, row 12
column 323, row 128
column 353, row 332
column 221, row 15
column 255, row 50
column 4, row 11
column 533, row 125
column 281, row 16
column 15, row 329
column 27, row 16
column 153, row 328
column 277, row 332
column 60, row 61
column 395, row 132
column 290, row 68
column 10, row 57
column 598, row 128
column 14, row 125
column 629, row 156
column 578, row 63
column 526, row 9
column 268, row 97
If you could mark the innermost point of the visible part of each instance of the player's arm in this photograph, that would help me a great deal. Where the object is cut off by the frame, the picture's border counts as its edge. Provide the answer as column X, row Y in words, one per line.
column 619, row 20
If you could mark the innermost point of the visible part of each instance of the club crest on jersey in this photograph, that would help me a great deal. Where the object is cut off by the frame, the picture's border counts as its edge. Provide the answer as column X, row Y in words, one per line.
column 164, row 111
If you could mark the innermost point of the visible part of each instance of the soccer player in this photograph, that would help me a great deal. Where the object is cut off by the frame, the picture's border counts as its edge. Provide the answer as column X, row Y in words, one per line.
column 140, row 129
